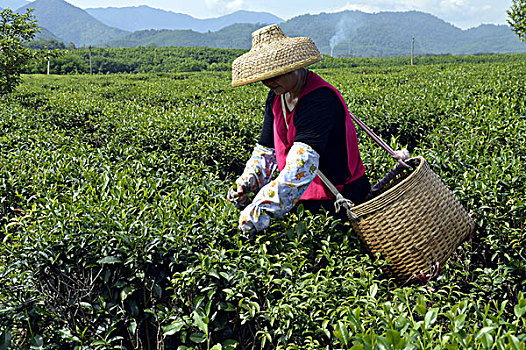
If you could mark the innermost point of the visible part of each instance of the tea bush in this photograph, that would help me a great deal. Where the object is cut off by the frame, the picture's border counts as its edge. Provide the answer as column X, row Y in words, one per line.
column 116, row 232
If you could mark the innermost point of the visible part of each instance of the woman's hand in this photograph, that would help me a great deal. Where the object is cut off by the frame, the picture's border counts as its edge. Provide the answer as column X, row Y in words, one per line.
column 257, row 173
column 237, row 196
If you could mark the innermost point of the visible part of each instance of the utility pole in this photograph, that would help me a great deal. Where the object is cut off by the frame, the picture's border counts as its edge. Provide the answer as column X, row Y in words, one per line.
column 412, row 50
column 48, row 62
column 90, row 66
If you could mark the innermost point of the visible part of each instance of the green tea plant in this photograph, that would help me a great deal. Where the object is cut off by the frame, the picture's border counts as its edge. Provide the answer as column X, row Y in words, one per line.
column 116, row 234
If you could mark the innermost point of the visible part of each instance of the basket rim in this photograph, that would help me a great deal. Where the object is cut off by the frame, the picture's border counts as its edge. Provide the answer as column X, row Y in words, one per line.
column 389, row 192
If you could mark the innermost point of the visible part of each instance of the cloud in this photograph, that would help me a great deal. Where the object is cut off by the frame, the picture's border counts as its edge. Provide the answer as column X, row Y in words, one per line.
column 357, row 7
column 462, row 13
column 224, row 6
column 365, row 6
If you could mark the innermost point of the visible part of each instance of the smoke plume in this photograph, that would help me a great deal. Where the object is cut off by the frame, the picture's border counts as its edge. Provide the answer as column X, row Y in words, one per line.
column 344, row 30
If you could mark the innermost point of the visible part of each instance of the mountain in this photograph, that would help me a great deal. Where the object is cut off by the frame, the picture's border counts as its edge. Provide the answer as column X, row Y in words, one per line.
column 390, row 33
column 240, row 17
column 71, row 23
column 353, row 33
column 141, row 18
column 491, row 38
column 233, row 36
column 144, row 17
column 13, row 4
column 45, row 34
column 346, row 33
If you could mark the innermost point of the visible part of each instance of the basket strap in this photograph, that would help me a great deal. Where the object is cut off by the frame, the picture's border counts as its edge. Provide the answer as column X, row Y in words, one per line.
column 341, row 201
column 365, row 128
column 378, row 140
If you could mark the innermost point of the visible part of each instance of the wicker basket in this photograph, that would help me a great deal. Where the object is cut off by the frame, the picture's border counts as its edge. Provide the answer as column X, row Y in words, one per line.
column 414, row 221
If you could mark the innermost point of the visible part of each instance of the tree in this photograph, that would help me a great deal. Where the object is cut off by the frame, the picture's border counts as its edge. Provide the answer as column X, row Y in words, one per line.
column 51, row 44
column 15, row 30
column 517, row 18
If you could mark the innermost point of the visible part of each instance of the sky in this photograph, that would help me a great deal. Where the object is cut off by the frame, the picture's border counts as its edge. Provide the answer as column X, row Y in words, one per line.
column 461, row 13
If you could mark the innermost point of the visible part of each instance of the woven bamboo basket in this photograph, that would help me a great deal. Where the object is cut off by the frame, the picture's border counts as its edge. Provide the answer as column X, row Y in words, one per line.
column 413, row 220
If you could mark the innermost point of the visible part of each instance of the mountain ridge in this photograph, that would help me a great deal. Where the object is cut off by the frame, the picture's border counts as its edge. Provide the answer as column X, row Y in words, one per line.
column 345, row 33
column 81, row 29
column 353, row 33
column 136, row 18
column 233, row 36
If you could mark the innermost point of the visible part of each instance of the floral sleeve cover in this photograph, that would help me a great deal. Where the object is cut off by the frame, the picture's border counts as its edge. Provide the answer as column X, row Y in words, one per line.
column 258, row 169
column 279, row 196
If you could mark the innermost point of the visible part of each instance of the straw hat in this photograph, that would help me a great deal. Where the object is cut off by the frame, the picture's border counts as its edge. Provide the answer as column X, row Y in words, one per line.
column 272, row 54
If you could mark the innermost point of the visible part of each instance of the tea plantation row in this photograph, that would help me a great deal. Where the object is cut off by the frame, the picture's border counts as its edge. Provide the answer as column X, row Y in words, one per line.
column 115, row 231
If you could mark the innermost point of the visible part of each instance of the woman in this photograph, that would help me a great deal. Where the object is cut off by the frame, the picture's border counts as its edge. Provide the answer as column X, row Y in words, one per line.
column 306, row 127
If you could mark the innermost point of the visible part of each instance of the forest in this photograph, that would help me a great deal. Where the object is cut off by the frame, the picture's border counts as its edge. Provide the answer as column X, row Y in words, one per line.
column 151, row 59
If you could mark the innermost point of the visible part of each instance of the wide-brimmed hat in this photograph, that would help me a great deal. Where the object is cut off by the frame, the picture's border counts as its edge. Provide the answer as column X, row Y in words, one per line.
column 272, row 54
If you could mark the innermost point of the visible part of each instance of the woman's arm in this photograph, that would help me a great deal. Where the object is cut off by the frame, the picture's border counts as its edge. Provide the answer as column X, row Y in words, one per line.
column 257, row 173
column 280, row 195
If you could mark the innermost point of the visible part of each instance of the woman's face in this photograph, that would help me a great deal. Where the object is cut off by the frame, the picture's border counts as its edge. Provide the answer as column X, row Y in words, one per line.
column 282, row 83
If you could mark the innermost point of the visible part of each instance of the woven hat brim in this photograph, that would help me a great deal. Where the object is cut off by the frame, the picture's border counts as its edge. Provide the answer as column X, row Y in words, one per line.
column 273, row 60
column 277, row 72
